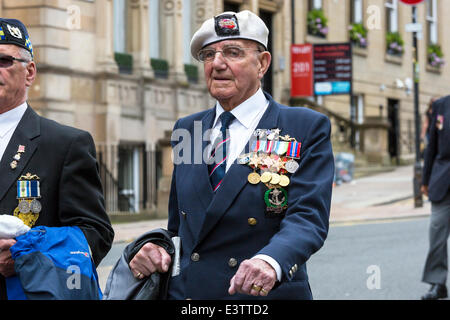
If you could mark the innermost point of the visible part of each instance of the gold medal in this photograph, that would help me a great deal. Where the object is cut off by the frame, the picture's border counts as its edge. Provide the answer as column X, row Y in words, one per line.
column 254, row 178
column 275, row 178
column 284, row 180
column 266, row 177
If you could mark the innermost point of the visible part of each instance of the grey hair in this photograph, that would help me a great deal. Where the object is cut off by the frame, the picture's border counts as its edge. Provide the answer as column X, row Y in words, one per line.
column 26, row 55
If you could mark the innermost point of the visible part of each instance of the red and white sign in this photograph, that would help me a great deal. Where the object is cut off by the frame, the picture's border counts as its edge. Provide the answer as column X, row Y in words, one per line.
column 301, row 70
column 411, row 2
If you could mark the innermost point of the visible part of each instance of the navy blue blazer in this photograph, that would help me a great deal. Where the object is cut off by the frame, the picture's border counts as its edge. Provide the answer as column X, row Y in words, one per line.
column 436, row 170
column 214, row 228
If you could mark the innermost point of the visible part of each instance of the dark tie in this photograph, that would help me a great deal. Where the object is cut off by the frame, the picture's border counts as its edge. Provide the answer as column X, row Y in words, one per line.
column 219, row 152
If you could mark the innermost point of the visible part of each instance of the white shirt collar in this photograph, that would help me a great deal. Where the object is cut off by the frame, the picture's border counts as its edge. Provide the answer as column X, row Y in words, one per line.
column 11, row 118
column 247, row 111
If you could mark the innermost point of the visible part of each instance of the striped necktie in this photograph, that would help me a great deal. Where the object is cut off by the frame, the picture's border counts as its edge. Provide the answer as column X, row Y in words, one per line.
column 219, row 152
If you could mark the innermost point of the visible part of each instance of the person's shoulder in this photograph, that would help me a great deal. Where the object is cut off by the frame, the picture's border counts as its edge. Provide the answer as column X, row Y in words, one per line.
column 296, row 113
column 59, row 130
column 189, row 120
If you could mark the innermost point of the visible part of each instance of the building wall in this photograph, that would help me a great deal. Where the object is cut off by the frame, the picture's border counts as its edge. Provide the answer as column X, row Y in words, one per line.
column 79, row 82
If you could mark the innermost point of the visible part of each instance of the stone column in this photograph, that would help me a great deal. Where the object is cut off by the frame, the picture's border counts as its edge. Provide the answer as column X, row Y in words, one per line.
column 138, row 33
column 252, row 5
column 172, row 38
column 104, row 33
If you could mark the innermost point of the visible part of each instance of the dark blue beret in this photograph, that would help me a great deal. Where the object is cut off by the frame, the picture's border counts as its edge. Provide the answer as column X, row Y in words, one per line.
column 12, row 31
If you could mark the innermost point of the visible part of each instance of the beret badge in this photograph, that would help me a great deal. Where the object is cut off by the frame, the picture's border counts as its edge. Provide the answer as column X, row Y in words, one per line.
column 14, row 31
column 226, row 25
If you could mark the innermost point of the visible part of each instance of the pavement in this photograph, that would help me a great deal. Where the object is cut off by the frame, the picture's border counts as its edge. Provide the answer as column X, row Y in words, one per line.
column 381, row 196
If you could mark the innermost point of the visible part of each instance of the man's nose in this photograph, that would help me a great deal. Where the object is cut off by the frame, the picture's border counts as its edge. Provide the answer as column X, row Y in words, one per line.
column 219, row 60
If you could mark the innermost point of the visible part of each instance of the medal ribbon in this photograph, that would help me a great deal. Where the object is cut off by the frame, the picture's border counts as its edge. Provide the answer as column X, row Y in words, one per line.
column 28, row 189
column 293, row 150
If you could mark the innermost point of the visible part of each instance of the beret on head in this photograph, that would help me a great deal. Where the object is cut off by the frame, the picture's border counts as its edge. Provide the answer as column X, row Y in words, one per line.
column 12, row 31
column 230, row 25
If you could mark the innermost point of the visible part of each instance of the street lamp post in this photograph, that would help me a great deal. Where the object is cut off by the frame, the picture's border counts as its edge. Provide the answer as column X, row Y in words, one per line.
column 418, row 201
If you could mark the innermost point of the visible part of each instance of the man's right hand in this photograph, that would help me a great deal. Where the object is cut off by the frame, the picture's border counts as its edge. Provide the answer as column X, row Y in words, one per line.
column 424, row 190
column 150, row 259
column 6, row 262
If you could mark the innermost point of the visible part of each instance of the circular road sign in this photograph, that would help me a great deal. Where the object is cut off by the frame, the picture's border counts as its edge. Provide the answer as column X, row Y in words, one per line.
column 411, row 2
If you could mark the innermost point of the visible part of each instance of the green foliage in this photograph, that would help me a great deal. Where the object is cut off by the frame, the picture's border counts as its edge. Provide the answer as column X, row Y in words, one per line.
column 435, row 55
column 317, row 23
column 160, row 67
column 358, row 34
column 394, row 43
column 124, row 61
column 191, row 72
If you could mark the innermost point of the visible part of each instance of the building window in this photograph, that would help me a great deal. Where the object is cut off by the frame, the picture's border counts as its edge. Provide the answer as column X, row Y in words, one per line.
column 357, row 30
column 154, row 23
column 391, row 15
column 394, row 40
column 187, row 31
column 130, row 173
column 432, row 22
column 317, row 23
column 227, row 6
column 314, row 4
column 120, row 22
column 356, row 12
column 123, row 59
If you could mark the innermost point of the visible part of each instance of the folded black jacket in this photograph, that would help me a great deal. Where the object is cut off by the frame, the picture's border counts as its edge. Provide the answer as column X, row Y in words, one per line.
column 123, row 285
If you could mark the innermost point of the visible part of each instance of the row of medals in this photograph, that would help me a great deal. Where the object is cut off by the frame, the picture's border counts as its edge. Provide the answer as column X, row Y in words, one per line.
column 273, row 170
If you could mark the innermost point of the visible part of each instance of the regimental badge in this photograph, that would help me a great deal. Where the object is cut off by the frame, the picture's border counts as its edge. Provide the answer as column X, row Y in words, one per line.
column 28, row 193
column 14, row 31
column 440, row 122
column 226, row 25
column 276, row 201
column 272, row 158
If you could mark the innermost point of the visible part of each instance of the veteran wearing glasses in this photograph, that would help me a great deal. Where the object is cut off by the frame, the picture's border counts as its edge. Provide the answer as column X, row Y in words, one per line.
column 58, row 160
column 253, row 211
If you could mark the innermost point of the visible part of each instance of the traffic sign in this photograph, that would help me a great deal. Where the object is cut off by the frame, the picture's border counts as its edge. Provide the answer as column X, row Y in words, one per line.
column 411, row 2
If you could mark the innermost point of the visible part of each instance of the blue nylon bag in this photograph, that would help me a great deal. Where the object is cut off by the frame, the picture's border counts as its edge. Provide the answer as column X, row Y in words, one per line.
column 53, row 263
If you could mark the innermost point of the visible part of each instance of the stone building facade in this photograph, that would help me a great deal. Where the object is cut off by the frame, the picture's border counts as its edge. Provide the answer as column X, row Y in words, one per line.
column 121, row 70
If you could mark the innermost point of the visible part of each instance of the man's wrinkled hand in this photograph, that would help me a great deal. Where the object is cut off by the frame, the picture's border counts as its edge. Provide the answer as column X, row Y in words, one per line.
column 150, row 258
column 6, row 262
column 254, row 277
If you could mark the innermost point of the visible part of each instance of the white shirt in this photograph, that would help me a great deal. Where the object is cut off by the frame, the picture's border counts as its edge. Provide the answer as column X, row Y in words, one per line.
column 8, row 124
column 248, row 114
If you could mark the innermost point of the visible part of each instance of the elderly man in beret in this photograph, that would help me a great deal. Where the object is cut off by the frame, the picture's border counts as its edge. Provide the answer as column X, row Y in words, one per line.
column 256, row 208
column 59, row 161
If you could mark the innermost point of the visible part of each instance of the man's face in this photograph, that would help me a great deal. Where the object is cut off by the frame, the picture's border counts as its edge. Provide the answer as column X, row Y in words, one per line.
column 233, row 82
column 14, row 80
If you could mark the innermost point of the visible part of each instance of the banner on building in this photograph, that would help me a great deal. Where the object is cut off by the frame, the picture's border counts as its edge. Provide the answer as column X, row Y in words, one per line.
column 301, row 70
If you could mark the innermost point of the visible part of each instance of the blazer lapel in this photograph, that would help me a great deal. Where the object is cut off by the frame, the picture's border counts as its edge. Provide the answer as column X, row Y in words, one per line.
column 236, row 177
column 26, row 131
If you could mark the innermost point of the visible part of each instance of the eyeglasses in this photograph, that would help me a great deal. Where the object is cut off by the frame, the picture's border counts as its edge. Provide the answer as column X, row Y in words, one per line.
column 229, row 53
column 7, row 61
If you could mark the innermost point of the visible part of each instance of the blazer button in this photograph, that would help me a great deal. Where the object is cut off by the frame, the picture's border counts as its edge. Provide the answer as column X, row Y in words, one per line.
column 195, row 257
column 232, row 262
column 252, row 221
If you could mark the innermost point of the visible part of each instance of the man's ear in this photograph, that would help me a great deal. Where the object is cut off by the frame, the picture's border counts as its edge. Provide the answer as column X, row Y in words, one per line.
column 31, row 73
column 265, row 59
